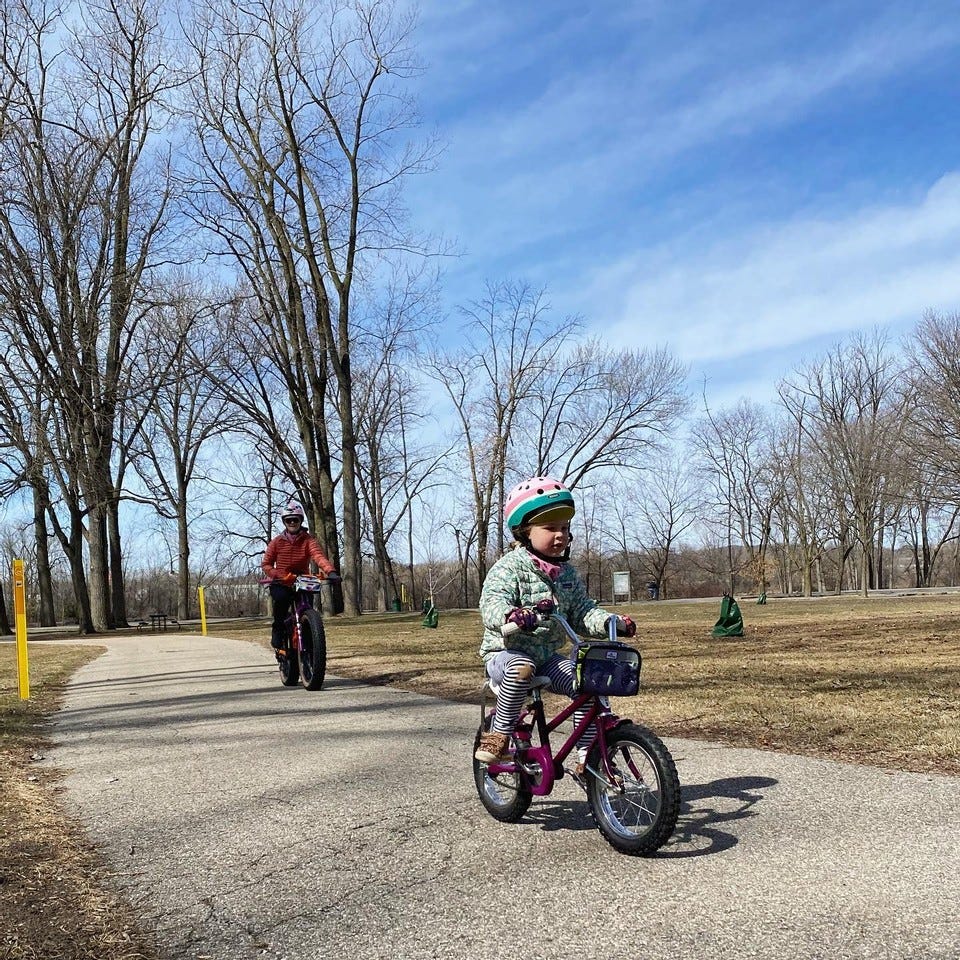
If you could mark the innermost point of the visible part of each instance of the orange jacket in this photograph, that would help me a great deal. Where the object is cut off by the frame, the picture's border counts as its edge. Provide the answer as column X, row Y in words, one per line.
column 292, row 554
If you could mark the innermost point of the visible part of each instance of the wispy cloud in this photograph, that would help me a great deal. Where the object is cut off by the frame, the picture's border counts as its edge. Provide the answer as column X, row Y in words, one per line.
column 585, row 134
column 788, row 284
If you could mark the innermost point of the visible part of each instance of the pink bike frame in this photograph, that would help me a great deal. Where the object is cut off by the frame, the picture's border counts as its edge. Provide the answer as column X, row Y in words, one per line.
column 541, row 764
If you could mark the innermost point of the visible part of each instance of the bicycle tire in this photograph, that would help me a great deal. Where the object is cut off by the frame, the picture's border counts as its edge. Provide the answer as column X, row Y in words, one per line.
column 505, row 796
column 289, row 668
column 313, row 650
column 638, row 815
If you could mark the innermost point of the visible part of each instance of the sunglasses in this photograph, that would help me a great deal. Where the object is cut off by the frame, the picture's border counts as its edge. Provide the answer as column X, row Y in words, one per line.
column 292, row 520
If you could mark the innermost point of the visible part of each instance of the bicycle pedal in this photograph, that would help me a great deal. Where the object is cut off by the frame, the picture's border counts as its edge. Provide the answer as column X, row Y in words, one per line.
column 578, row 778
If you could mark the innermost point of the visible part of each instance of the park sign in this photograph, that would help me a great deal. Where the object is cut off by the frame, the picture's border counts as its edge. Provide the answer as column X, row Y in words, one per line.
column 621, row 584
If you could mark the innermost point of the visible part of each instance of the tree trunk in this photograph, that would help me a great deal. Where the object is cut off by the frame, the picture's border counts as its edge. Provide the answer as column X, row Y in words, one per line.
column 99, row 578
column 118, row 590
column 46, row 613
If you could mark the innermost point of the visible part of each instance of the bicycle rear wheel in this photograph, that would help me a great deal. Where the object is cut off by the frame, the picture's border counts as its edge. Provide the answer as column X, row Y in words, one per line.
column 289, row 668
column 313, row 650
column 637, row 810
column 287, row 660
column 505, row 795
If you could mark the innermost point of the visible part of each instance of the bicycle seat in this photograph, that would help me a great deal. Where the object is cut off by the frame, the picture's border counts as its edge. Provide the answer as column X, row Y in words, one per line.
column 538, row 683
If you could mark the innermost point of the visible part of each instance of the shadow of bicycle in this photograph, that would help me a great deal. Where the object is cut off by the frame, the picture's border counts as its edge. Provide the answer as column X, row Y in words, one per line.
column 552, row 815
column 704, row 810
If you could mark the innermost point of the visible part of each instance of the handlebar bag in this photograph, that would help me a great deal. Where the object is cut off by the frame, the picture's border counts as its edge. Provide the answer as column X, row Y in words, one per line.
column 608, row 669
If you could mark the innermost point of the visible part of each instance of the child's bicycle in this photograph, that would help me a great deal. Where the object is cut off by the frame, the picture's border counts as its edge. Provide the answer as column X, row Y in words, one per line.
column 304, row 658
column 629, row 777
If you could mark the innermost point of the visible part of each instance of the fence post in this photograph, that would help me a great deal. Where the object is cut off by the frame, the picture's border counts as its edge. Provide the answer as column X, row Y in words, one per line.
column 20, row 619
column 203, row 612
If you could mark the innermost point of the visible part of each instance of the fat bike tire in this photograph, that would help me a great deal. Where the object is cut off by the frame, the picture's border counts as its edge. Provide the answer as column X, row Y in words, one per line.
column 289, row 668
column 637, row 810
column 507, row 796
column 313, row 650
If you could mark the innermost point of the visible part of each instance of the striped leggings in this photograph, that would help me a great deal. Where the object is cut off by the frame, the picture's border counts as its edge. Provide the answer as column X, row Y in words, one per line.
column 513, row 671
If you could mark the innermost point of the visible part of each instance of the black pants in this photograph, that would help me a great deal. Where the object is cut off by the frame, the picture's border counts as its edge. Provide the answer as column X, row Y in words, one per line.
column 282, row 598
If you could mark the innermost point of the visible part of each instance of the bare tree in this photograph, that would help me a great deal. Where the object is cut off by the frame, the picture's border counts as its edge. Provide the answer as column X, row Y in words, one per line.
column 653, row 512
column 855, row 414
column 934, row 371
column 734, row 448
column 511, row 343
column 85, row 204
column 599, row 408
column 298, row 110
column 803, row 512
column 181, row 412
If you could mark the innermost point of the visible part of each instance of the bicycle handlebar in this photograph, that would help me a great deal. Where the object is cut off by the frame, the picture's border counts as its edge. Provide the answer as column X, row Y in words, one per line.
column 510, row 628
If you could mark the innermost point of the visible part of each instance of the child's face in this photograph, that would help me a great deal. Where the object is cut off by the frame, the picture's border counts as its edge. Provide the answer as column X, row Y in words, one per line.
column 550, row 539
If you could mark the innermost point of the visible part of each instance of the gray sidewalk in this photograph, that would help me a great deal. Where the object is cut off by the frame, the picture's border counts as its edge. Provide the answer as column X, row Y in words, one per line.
column 248, row 820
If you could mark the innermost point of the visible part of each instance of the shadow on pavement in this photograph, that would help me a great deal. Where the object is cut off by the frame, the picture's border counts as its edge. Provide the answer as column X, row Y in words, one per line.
column 703, row 809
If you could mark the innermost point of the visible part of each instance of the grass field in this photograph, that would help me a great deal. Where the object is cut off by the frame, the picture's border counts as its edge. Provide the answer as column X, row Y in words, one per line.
column 872, row 681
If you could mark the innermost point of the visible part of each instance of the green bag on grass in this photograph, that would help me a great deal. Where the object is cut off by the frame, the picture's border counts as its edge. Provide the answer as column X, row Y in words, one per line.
column 431, row 616
column 730, row 623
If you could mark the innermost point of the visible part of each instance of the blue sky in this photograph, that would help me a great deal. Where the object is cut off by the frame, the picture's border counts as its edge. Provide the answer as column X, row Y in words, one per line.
column 745, row 183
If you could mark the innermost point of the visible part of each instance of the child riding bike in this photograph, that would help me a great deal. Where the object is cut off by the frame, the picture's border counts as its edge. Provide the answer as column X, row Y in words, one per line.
column 287, row 555
column 536, row 571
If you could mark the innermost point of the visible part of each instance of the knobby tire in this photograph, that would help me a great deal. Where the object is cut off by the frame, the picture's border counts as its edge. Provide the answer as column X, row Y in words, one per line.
column 637, row 812
column 313, row 650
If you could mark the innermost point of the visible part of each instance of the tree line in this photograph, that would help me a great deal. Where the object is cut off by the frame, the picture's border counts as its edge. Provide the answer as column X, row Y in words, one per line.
column 212, row 300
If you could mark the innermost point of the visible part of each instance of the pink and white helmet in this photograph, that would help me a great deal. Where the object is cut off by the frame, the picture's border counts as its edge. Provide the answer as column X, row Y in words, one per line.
column 539, row 498
column 291, row 510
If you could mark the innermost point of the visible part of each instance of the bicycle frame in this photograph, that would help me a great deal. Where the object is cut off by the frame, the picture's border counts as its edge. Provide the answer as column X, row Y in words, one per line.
column 540, row 764
column 305, row 586
column 297, row 609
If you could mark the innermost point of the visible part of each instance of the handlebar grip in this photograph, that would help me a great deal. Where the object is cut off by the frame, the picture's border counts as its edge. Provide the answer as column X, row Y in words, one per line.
column 508, row 629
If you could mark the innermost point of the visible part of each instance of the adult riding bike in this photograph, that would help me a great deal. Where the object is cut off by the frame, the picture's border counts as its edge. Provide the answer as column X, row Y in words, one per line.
column 629, row 777
column 304, row 657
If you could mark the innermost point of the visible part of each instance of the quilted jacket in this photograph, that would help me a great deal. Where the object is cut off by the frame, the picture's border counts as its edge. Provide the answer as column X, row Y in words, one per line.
column 516, row 581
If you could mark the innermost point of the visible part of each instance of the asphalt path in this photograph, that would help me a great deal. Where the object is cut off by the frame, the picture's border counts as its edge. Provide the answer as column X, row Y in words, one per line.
column 244, row 819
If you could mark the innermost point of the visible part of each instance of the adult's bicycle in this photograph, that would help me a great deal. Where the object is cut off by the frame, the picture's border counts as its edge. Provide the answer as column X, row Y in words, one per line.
column 629, row 777
column 303, row 658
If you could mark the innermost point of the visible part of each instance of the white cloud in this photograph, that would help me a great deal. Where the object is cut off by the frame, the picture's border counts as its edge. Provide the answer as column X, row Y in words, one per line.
column 789, row 283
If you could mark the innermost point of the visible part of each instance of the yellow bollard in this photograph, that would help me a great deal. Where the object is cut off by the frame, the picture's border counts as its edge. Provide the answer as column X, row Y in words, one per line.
column 20, row 619
column 203, row 612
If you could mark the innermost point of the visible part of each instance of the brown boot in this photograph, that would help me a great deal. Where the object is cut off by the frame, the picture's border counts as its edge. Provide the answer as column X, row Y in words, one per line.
column 493, row 747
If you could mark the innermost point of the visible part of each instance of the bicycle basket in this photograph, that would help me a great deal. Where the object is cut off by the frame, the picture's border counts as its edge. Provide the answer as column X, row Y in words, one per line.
column 609, row 669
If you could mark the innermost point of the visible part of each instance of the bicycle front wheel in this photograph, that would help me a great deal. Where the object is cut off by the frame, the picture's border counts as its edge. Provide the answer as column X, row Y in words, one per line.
column 313, row 650
column 636, row 810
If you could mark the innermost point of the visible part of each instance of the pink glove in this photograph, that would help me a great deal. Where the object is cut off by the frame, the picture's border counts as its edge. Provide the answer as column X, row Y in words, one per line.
column 523, row 617
column 288, row 579
column 626, row 627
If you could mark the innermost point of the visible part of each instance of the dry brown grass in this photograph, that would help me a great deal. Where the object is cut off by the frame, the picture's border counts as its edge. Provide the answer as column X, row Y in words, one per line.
column 56, row 898
column 873, row 681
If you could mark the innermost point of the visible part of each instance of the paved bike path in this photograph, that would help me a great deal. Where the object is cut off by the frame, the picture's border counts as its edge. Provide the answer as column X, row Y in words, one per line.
column 247, row 820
